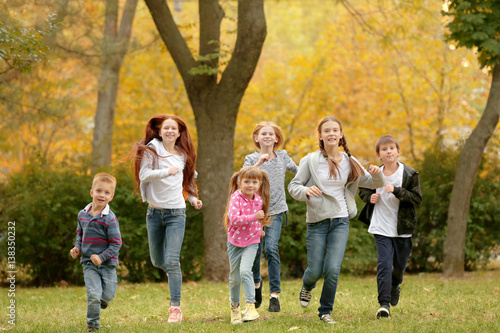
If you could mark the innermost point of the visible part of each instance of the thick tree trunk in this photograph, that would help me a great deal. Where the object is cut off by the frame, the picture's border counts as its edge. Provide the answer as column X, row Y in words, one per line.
column 454, row 245
column 215, row 166
column 114, row 49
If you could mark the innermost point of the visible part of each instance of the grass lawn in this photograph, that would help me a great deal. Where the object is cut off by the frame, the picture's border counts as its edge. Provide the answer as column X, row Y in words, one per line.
column 428, row 304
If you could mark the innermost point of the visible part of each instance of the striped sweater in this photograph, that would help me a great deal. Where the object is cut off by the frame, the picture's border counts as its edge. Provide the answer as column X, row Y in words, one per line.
column 99, row 235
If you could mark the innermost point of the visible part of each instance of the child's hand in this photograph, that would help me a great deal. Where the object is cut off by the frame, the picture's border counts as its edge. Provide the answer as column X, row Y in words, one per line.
column 95, row 259
column 74, row 252
column 262, row 234
column 374, row 198
column 197, row 204
column 313, row 191
column 263, row 158
column 389, row 188
column 172, row 170
column 260, row 215
column 374, row 170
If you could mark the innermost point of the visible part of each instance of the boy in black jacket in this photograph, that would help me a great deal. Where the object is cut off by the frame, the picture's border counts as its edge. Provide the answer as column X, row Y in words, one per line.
column 391, row 217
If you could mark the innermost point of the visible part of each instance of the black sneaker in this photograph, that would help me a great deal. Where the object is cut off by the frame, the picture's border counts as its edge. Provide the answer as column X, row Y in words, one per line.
column 274, row 304
column 92, row 329
column 305, row 297
column 104, row 304
column 258, row 296
column 395, row 295
column 383, row 312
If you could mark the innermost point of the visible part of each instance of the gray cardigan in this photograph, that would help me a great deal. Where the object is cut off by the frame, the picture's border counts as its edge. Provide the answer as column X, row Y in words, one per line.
column 325, row 206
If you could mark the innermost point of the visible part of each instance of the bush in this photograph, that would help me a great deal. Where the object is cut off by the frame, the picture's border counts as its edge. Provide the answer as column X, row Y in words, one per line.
column 436, row 178
column 44, row 202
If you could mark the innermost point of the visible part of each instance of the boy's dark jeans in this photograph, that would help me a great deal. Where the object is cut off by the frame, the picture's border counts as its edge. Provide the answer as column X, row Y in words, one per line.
column 393, row 254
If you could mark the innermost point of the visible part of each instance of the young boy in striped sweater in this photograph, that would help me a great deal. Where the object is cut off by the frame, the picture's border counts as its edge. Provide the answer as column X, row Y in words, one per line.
column 98, row 240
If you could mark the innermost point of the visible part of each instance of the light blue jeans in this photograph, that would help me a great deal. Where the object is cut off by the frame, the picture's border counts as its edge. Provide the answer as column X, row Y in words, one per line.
column 240, row 265
column 326, row 241
column 271, row 239
column 101, row 283
column 165, row 236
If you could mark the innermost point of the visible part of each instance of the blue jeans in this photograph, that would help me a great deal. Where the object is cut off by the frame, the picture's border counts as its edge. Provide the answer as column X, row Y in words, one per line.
column 165, row 235
column 273, row 233
column 240, row 266
column 392, row 259
column 101, row 283
column 326, row 241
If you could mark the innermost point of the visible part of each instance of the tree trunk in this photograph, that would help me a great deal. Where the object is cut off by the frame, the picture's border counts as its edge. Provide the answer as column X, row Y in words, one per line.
column 114, row 48
column 215, row 105
column 454, row 245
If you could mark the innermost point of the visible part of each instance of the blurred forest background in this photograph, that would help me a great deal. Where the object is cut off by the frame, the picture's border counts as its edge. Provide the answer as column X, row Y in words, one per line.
column 381, row 67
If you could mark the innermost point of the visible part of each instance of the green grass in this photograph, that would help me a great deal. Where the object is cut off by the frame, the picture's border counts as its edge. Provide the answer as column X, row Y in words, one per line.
column 428, row 304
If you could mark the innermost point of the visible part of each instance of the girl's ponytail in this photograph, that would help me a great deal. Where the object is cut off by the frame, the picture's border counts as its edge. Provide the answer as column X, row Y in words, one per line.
column 233, row 186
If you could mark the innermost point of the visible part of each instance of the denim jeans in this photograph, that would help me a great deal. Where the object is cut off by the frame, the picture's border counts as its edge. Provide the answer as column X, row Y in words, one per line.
column 273, row 233
column 101, row 283
column 240, row 265
column 392, row 259
column 326, row 241
column 165, row 235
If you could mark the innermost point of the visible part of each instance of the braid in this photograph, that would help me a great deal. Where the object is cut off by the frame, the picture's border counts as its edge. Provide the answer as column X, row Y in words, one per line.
column 356, row 169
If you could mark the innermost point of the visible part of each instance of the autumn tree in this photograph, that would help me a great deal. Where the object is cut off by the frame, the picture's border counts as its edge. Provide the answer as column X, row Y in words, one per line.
column 114, row 47
column 215, row 98
column 475, row 25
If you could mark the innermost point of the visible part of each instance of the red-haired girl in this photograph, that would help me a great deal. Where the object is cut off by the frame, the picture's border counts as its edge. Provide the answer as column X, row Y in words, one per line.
column 164, row 167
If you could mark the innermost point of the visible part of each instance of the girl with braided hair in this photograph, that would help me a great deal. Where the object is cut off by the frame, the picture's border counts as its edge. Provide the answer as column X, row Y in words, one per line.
column 327, row 180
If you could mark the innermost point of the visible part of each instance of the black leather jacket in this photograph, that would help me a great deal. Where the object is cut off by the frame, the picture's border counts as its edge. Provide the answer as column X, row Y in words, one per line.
column 409, row 195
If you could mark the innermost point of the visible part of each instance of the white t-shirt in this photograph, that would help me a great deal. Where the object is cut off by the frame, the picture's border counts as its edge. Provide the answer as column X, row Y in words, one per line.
column 385, row 214
column 335, row 186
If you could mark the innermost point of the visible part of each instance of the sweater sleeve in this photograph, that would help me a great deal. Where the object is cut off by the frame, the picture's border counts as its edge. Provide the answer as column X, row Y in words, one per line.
column 290, row 164
column 371, row 181
column 79, row 232
column 147, row 172
column 297, row 188
column 114, row 241
column 249, row 160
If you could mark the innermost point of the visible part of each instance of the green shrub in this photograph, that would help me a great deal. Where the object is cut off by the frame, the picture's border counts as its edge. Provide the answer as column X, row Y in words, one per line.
column 437, row 173
column 44, row 201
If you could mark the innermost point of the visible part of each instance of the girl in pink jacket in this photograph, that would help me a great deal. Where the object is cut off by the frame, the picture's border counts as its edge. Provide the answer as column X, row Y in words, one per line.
column 246, row 214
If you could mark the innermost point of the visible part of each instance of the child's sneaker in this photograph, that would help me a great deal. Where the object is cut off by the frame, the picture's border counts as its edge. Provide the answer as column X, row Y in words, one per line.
column 305, row 297
column 327, row 319
column 235, row 315
column 250, row 312
column 104, row 304
column 274, row 304
column 175, row 315
column 383, row 312
column 92, row 329
column 395, row 295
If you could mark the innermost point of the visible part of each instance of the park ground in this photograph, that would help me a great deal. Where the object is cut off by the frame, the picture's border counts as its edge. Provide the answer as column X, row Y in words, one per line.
column 429, row 303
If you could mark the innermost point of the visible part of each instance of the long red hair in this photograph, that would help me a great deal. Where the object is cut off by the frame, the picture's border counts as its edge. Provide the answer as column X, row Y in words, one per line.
column 183, row 142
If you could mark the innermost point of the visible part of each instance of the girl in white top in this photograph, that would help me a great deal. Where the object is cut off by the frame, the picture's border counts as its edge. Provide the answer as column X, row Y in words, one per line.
column 164, row 168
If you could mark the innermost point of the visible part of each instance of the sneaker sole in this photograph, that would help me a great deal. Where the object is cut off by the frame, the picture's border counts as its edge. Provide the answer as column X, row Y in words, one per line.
column 250, row 318
column 383, row 313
